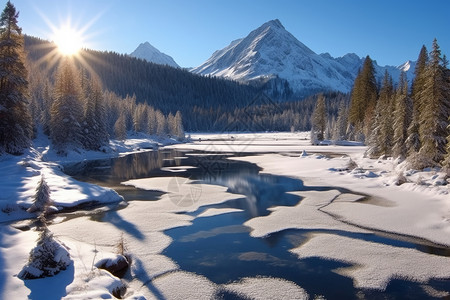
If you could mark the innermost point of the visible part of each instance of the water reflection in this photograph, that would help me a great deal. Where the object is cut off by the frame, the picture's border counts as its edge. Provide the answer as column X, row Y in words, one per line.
column 113, row 171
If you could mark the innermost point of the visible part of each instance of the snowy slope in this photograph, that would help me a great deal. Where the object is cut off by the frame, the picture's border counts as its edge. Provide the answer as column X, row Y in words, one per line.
column 151, row 54
column 271, row 51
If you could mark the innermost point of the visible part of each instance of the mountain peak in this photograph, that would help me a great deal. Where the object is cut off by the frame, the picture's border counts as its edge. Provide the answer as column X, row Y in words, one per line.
column 149, row 53
column 273, row 23
column 270, row 51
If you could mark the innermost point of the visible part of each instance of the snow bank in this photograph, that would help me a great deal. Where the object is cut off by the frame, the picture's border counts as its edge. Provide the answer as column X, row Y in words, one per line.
column 261, row 288
column 421, row 211
column 184, row 285
column 305, row 215
column 20, row 176
column 373, row 265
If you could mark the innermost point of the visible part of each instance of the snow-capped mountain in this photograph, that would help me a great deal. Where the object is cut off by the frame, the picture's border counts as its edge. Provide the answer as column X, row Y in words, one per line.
column 271, row 51
column 151, row 54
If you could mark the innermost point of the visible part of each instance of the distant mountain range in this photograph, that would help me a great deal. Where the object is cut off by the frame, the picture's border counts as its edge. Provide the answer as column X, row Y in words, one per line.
column 151, row 54
column 270, row 51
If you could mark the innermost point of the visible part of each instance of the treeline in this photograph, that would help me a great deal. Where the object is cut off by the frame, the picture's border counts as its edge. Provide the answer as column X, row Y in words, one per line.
column 405, row 122
column 71, row 106
column 415, row 125
column 264, row 114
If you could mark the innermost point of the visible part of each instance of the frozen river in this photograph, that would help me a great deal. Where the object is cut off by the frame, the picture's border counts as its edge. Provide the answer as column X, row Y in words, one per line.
column 195, row 223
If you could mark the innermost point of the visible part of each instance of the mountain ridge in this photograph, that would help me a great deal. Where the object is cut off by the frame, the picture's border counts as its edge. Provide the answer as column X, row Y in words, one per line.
column 270, row 51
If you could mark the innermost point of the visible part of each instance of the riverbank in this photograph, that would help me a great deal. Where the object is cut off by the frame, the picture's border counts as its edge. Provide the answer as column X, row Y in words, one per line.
column 19, row 177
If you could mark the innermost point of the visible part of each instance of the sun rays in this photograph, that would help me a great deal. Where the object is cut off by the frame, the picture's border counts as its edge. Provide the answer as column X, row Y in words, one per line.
column 67, row 40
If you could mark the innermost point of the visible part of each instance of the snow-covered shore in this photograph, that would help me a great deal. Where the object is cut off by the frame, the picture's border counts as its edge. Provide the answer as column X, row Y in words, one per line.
column 19, row 175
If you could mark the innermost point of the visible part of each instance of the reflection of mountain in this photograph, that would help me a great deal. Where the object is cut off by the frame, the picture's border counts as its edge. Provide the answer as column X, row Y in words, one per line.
column 270, row 51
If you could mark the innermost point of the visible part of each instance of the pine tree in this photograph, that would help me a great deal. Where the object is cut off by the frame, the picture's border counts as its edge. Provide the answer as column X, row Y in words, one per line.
column 413, row 140
column 15, row 119
column 120, row 127
column 402, row 117
column 380, row 139
column 47, row 259
column 140, row 118
column 179, row 131
column 319, row 118
column 434, row 112
column 161, row 123
column 41, row 200
column 95, row 132
column 67, row 109
column 340, row 131
column 46, row 108
column 363, row 98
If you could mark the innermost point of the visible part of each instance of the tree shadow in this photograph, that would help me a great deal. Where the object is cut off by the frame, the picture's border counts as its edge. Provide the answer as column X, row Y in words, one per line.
column 51, row 287
column 146, row 280
column 115, row 219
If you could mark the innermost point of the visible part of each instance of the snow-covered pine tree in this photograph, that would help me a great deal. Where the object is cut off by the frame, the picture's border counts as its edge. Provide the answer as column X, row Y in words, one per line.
column 319, row 118
column 152, row 124
column 95, row 132
column 41, row 199
column 140, row 118
column 46, row 108
column 402, row 118
column 67, row 109
column 179, row 130
column 363, row 99
column 380, row 139
column 48, row 258
column 413, row 140
column 340, row 131
column 434, row 112
column 161, row 123
column 15, row 119
column 120, row 127
column 171, row 124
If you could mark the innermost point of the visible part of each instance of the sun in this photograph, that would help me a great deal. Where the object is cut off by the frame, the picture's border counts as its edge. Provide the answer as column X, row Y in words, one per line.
column 68, row 40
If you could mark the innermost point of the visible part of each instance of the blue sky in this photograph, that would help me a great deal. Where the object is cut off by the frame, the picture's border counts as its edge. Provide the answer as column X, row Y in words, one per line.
column 390, row 31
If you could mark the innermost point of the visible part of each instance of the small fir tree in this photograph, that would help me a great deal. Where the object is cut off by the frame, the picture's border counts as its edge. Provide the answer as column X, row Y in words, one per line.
column 47, row 259
column 41, row 200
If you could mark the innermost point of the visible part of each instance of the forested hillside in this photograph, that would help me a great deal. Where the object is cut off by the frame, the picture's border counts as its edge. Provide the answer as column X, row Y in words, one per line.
column 206, row 103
